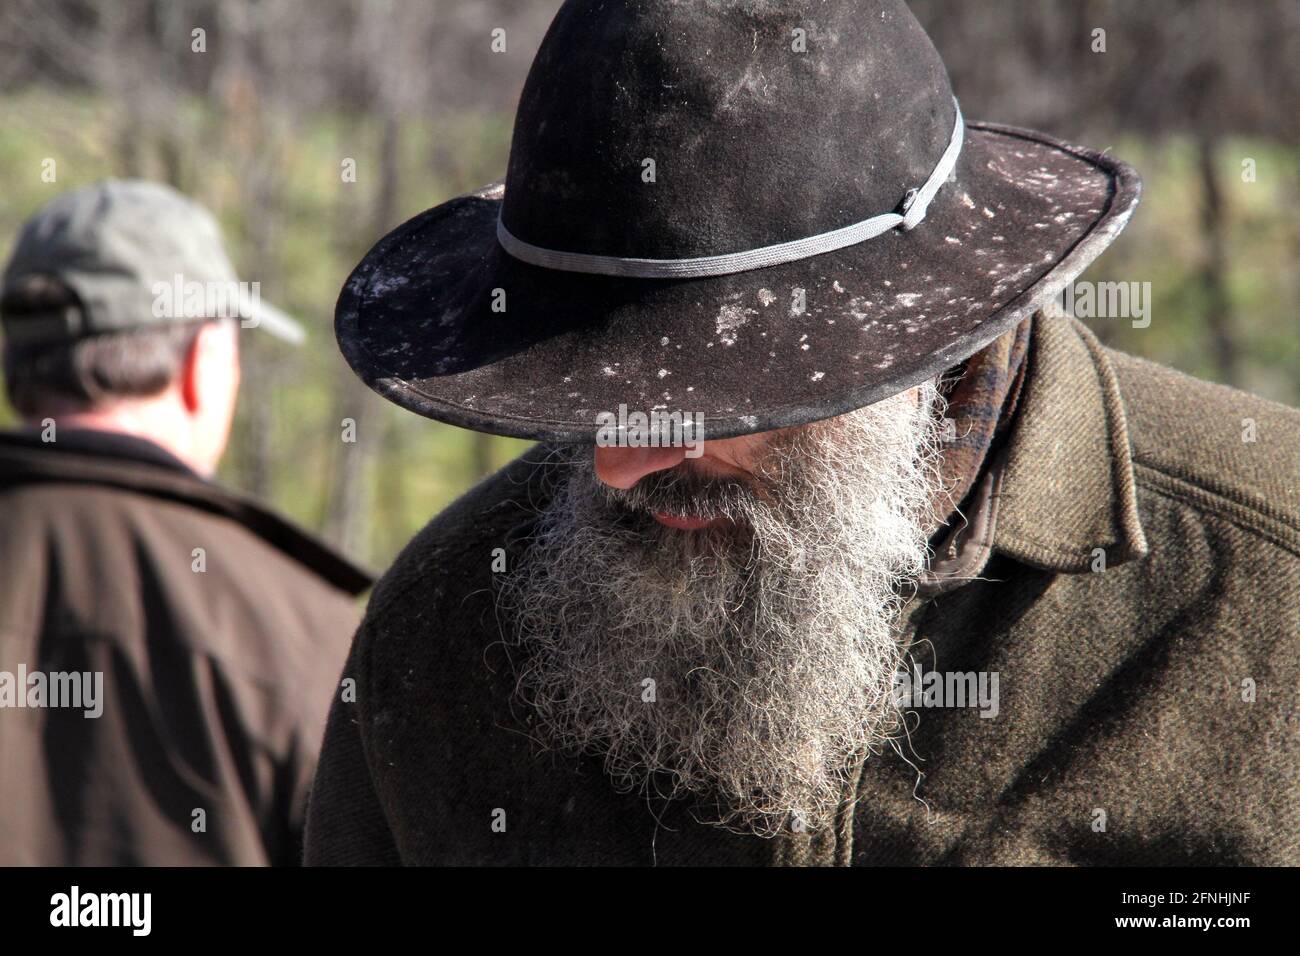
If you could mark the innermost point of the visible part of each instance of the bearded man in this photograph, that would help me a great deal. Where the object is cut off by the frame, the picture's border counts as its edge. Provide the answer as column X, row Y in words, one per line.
column 949, row 583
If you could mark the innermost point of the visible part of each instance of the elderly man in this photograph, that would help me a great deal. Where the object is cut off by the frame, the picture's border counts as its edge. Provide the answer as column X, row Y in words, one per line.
column 946, row 582
column 168, row 649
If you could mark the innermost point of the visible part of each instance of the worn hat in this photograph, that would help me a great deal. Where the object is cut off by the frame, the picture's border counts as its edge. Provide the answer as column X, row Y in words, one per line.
column 760, row 213
column 135, row 254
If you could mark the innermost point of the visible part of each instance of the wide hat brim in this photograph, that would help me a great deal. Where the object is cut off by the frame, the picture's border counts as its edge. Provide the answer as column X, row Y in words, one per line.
column 439, row 319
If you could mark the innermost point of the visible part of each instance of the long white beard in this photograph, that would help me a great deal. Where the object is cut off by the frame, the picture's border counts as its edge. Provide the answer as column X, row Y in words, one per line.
column 749, row 665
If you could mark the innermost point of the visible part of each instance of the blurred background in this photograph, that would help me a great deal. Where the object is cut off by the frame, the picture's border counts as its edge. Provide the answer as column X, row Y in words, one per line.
column 1202, row 96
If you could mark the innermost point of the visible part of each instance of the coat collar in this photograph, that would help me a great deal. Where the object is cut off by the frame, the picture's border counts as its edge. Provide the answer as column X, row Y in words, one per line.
column 25, row 461
column 1061, row 490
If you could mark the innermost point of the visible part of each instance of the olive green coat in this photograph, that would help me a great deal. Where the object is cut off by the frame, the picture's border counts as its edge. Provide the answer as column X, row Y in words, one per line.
column 1135, row 544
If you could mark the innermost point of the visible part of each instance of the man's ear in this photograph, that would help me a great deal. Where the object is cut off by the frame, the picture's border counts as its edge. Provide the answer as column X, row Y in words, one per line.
column 207, row 366
column 191, row 371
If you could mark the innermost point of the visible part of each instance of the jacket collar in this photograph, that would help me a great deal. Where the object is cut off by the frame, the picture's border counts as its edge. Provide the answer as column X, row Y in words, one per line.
column 27, row 461
column 1061, row 490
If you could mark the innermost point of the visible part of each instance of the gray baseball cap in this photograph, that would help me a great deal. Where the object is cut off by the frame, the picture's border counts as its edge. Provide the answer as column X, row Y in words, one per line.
column 136, row 254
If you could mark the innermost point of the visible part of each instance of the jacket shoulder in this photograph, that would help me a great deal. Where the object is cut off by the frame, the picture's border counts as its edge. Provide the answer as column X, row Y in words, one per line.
column 429, row 660
column 456, row 552
column 1222, row 448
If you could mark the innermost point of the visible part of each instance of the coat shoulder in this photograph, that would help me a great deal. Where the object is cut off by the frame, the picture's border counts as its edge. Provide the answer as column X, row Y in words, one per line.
column 455, row 554
column 433, row 674
column 1220, row 448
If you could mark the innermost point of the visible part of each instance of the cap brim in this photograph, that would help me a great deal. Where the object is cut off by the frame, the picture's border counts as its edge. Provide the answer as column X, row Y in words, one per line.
column 267, row 318
column 440, row 320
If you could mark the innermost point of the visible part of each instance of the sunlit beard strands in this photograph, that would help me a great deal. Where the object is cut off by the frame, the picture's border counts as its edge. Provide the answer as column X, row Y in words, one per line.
column 747, row 667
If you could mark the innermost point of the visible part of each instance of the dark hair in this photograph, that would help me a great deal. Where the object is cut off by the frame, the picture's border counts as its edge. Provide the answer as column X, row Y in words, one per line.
column 92, row 370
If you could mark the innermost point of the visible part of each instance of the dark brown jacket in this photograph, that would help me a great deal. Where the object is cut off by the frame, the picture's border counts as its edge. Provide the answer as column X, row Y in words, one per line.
column 1136, row 545
column 215, row 682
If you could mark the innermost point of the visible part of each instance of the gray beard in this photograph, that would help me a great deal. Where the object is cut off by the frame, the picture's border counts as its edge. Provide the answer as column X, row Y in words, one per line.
column 750, row 665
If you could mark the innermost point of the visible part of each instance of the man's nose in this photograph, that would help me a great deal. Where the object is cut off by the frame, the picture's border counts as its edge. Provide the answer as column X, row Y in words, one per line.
column 624, row 467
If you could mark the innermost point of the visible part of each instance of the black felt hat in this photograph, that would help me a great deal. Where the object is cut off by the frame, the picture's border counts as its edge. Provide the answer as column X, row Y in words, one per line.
column 762, row 212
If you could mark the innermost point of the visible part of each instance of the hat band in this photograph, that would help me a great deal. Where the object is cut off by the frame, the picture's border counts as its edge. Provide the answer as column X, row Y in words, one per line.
column 914, row 206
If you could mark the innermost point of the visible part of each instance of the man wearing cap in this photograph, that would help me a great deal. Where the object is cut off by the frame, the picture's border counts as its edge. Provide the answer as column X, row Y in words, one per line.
column 168, row 649
column 949, row 583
